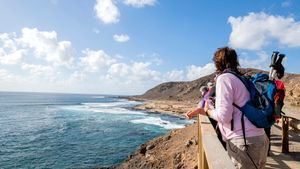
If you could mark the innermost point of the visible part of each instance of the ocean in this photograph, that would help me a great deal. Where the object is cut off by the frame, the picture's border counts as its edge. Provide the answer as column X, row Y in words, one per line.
column 43, row 130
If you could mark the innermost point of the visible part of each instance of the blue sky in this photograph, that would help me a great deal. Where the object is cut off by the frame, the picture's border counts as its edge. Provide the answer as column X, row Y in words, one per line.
column 129, row 46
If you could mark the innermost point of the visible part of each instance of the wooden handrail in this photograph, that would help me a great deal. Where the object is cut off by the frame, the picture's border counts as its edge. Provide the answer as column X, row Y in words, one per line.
column 211, row 154
column 287, row 121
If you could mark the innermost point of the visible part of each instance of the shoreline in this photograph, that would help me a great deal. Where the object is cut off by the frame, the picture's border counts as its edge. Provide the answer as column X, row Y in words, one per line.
column 178, row 147
column 175, row 149
column 169, row 107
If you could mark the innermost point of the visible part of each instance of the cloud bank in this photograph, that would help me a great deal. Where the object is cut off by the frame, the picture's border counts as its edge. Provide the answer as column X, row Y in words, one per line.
column 256, row 30
column 41, row 59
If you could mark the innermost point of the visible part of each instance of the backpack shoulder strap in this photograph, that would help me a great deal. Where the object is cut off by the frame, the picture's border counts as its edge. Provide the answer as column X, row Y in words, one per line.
column 239, row 77
column 238, row 107
column 242, row 80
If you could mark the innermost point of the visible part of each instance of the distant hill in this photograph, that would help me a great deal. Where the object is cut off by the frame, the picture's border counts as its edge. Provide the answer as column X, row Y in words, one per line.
column 183, row 91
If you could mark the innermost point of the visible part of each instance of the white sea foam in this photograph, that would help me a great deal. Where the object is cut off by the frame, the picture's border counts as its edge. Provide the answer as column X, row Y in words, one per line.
column 99, row 97
column 158, row 122
column 117, row 110
column 110, row 104
column 110, row 110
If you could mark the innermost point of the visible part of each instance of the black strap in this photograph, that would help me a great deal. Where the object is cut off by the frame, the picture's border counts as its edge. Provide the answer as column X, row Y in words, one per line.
column 243, row 128
column 245, row 142
column 232, row 122
column 236, row 106
column 242, row 120
column 241, row 79
column 251, row 159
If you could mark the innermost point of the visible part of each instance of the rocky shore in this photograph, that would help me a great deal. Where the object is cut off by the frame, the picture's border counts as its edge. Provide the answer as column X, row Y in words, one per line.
column 178, row 148
column 168, row 107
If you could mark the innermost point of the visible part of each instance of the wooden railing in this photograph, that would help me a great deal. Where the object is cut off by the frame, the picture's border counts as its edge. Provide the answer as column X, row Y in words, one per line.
column 211, row 154
column 287, row 121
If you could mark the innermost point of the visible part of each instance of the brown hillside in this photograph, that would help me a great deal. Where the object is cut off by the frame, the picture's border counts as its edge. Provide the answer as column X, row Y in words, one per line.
column 183, row 91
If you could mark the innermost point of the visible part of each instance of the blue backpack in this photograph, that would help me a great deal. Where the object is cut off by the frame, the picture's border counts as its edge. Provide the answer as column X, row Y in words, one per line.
column 260, row 109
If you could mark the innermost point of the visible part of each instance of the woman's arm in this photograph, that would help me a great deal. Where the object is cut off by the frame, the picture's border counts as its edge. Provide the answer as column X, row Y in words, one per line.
column 195, row 112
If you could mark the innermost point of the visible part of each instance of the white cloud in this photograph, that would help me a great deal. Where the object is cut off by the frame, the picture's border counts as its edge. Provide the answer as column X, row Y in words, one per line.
column 133, row 72
column 77, row 76
column 39, row 70
column 107, row 11
column 10, row 53
column 11, row 58
column 118, row 56
column 195, row 72
column 46, row 45
column 141, row 71
column 112, row 68
column 118, row 69
column 121, row 38
column 257, row 30
column 94, row 61
column 175, row 75
column 140, row 3
column 260, row 62
column 32, row 42
column 5, row 75
column 8, row 41
column 34, row 54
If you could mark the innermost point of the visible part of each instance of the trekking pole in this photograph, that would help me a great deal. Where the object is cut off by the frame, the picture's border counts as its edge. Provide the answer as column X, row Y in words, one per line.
column 272, row 65
column 276, row 65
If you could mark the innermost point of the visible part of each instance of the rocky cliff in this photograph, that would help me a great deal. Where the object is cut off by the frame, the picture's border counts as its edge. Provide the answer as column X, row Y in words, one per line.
column 189, row 91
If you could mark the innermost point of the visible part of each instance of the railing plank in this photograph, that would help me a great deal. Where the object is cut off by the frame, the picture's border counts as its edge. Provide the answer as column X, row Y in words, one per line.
column 213, row 155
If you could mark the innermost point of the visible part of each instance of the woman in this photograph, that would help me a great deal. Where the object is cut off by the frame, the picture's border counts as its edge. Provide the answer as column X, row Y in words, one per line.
column 204, row 95
column 229, row 90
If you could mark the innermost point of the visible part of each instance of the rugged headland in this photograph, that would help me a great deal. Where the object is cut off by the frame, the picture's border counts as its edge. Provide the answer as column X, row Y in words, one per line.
column 178, row 148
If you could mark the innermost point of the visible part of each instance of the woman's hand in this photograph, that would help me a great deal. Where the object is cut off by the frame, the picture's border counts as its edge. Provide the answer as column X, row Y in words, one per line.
column 195, row 112
column 190, row 114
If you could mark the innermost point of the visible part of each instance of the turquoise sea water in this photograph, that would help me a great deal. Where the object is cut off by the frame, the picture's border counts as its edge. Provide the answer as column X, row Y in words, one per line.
column 39, row 130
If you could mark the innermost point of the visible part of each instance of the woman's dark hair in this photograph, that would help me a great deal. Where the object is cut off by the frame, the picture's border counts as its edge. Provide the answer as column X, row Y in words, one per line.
column 226, row 58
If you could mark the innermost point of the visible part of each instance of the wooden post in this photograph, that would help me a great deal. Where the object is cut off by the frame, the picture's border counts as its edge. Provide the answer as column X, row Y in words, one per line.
column 285, row 134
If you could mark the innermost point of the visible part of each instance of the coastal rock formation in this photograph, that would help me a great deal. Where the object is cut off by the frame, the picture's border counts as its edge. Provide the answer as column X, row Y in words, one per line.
column 189, row 91
column 167, row 151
